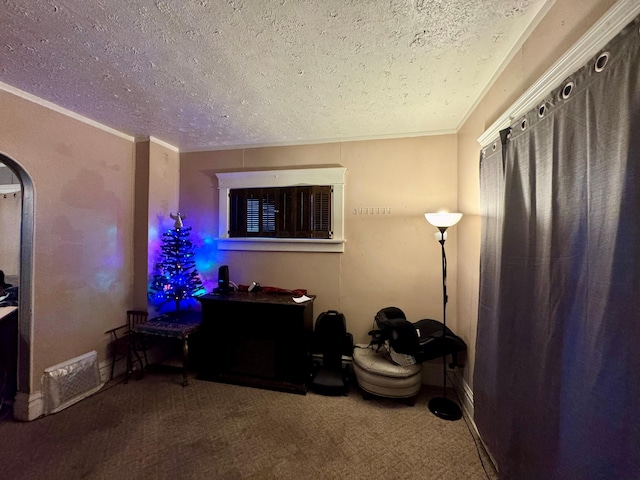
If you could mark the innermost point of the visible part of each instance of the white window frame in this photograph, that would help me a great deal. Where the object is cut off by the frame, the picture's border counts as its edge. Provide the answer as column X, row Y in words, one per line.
column 333, row 176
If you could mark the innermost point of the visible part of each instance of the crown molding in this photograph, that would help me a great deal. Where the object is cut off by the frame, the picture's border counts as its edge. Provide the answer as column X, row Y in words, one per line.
column 52, row 106
column 601, row 33
column 164, row 144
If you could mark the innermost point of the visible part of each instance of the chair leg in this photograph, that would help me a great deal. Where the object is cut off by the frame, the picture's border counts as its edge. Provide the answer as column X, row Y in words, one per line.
column 114, row 351
column 144, row 354
column 113, row 366
column 129, row 367
column 134, row 350
column 185, row 359
column 131, row 351
column 139, row 347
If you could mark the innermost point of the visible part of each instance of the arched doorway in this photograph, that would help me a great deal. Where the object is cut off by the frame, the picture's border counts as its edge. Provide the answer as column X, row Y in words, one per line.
column 25, row 327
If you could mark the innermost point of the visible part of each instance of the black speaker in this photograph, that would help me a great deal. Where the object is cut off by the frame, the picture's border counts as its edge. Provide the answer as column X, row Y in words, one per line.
column 223, row 277
column 223, row 280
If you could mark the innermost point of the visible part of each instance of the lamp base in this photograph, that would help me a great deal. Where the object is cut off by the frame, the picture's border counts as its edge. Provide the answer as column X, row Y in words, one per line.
column 445, row 408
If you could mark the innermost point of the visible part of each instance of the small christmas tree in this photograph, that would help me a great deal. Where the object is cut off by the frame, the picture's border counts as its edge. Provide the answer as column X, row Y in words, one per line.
column 178, row 279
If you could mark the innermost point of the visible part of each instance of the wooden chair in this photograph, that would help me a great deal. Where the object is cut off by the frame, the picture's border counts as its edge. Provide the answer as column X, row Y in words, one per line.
column 126, row 344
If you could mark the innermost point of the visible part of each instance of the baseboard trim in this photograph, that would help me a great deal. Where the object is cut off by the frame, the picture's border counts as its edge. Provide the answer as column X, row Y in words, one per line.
column 105, row 370
column 28, row 407
column 465, row 394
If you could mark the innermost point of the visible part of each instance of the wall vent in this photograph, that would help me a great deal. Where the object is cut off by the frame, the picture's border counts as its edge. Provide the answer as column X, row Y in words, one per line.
column 71, row 381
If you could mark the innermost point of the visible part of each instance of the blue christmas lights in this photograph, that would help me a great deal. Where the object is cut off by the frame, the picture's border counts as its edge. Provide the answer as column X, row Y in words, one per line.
column 177, row 279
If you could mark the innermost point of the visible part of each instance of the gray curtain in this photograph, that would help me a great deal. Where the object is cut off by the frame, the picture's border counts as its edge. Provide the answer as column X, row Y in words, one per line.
column 557, row 375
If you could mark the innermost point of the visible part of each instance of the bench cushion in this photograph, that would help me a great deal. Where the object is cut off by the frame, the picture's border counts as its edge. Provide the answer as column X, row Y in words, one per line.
column 378, row 363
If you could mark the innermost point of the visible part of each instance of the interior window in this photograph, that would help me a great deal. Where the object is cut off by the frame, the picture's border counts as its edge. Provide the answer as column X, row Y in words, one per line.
column 282, row 212
column 287, row 209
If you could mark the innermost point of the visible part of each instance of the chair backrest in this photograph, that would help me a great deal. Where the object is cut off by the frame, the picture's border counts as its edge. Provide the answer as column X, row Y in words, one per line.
column 395, row 328
column 330, row 332
column 135, row 317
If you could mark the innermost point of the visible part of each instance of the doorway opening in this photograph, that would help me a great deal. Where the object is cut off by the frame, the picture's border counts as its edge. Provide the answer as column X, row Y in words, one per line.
column 20, row 196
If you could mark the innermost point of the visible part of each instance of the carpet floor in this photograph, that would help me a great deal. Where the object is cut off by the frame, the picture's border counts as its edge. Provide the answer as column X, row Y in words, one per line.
column 153, row 428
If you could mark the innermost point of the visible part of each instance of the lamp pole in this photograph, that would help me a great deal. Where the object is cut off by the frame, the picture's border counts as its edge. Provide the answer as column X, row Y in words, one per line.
column 444, row 407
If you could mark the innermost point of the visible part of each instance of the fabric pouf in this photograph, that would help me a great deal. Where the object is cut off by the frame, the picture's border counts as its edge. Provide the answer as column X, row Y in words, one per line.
column 376, row 374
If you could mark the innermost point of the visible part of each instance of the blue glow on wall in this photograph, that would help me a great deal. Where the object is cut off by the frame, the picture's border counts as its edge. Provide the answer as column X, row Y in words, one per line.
column 208, row 259
column 108, row 266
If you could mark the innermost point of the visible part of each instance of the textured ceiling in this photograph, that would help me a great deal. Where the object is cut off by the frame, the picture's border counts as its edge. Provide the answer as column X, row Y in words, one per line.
column 207, row 74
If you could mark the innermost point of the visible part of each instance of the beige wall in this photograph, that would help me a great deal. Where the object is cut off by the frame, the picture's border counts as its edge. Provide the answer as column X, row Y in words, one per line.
column 140, row 225
column 561, row 27
column 164, row 182
column 82, row 251
column 389, row 260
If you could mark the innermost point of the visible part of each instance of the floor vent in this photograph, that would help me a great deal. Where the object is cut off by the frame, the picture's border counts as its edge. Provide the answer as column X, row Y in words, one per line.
column 71, row 381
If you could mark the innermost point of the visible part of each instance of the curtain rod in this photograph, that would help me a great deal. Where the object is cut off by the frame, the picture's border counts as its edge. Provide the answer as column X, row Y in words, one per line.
column 605, row 29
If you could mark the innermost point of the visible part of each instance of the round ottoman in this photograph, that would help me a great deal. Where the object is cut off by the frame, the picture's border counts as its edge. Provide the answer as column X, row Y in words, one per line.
column 377, row 375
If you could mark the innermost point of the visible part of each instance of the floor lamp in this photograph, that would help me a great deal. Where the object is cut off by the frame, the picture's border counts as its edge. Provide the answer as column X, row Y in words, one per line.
column 442, row 406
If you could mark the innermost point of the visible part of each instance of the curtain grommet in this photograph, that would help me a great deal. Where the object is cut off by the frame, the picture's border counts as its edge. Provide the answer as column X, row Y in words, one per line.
column 567, row 89
column 493, row 147
column 601, row 61
column 542, row 109
column 523, row 124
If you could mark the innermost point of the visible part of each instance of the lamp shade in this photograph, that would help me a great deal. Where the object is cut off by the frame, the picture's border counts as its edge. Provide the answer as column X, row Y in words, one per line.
column 443, row 219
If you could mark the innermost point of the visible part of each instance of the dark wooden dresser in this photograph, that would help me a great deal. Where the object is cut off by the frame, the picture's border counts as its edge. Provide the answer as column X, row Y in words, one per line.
column 256, row 339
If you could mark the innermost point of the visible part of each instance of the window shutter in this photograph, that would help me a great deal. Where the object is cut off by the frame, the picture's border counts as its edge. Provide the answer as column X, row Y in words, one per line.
column 285, row 212
column 237, row 213
column 302, row 204
column 253, row 213
column 321, row 207
column 268, row 212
